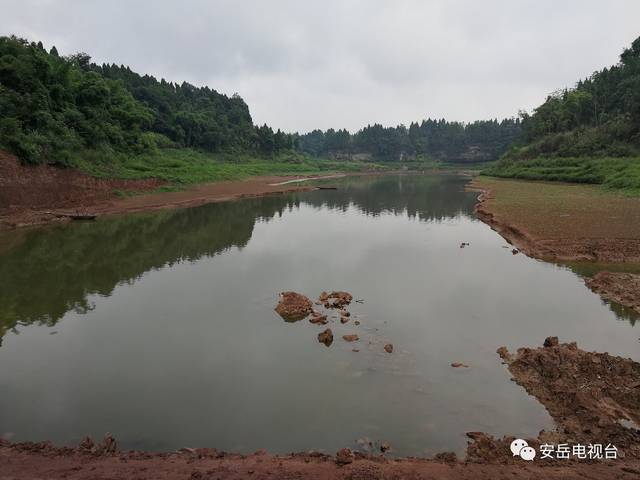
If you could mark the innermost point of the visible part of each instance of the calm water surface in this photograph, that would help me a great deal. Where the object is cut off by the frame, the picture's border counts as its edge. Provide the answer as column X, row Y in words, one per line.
column 160, row 329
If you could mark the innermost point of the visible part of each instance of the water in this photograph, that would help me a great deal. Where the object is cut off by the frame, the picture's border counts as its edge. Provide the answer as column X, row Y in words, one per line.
column 160, row 329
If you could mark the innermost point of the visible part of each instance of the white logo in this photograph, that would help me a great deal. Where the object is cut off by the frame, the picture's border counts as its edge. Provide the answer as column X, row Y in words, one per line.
column 520, row 448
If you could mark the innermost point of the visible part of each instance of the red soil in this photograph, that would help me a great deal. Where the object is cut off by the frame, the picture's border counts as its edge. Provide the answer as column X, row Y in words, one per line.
column 32, row 195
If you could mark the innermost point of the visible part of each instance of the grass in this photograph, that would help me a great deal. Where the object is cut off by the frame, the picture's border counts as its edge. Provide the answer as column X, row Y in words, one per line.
column 617, row 174
column 186, row 166
column 564, row 211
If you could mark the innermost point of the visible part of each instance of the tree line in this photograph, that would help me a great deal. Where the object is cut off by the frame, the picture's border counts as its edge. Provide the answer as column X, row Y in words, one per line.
column 429, row 139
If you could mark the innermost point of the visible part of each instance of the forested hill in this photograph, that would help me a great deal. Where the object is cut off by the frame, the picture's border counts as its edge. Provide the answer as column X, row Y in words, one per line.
column 53, row 108
column 479, row 141
column 599, row 117
column 589, row 133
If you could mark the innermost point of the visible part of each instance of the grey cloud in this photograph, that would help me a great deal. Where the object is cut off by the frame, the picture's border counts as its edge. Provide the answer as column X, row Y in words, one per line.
column 304, row 65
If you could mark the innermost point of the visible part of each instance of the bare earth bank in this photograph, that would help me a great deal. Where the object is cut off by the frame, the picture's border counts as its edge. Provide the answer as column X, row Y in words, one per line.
column 568, row 222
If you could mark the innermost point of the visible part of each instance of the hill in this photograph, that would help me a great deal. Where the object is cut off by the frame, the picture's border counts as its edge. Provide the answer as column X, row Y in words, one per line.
column 69, row 111
column 589, row 133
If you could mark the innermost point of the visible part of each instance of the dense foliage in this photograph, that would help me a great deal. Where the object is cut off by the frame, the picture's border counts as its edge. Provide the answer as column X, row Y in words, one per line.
column 600, row 116
column 590, row 133
column 433, row 139
column 54, row 109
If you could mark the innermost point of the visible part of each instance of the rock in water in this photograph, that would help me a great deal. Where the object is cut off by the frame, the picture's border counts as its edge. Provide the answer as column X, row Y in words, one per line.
column 293, row 306
column 459, row 365
column 336, row 299
column 351, row 338
column 326, row 337
column 319, row 319
column 388, row 348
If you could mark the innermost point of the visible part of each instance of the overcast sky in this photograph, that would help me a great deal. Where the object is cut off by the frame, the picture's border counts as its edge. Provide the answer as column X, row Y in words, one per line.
column 302, row 65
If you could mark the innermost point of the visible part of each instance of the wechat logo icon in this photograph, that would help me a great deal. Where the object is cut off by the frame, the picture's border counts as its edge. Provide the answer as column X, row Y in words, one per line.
column 520, row 448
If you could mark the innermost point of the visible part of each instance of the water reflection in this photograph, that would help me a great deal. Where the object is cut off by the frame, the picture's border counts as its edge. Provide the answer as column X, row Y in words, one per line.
column 52, row 271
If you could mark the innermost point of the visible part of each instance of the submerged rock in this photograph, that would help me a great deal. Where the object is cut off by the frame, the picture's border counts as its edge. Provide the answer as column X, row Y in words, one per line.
column 459, row 365
column 319, row 320
column 293, row 306
column 326, row 337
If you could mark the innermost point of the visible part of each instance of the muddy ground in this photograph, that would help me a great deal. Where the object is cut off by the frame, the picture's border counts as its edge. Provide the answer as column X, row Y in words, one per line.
column 619, row 287
column 44, row 194
column 565, row 222
column 592, row 397
column 37, row 461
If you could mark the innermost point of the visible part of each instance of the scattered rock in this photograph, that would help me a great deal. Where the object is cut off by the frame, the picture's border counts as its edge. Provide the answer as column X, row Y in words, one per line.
column 344, row 456
column 385, row 447
column 459, row 365
column 344, row 319
column 551, row 342
column 446, row 457
column 515, row 251
column 344, row 313
column 87, row 445
column 464, row 244
column 109, row 444
column 319, row 319
column 293, row 306
column 388, row 348
column 337, row 299
column 504, row 353
column 326, row 337
column 351, row 338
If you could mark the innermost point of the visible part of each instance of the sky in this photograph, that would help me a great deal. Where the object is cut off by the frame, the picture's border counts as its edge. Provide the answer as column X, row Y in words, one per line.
column 302, row 65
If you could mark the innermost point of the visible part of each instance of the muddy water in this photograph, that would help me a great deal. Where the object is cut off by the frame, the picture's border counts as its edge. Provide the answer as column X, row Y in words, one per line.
column 160, row 329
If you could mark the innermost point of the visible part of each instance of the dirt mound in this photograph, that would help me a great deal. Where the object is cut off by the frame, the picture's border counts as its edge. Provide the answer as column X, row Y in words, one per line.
column 622, row 288
column 293, row 306
column 593, row 397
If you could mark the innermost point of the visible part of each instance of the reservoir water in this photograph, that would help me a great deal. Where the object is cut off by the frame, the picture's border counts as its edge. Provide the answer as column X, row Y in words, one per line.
column 159, row 327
